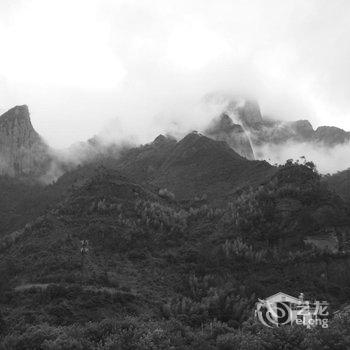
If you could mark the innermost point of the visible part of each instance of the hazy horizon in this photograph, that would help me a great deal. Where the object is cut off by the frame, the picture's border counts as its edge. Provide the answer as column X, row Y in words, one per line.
column 138, row 68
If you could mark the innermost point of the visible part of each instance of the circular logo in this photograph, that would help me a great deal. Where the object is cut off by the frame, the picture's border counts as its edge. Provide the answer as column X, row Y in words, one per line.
column 274, row 315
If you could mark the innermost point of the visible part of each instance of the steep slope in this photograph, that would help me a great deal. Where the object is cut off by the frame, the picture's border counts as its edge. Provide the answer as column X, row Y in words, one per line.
column 159, row 273
column 192, row 167
column 23, row 200
column 223, row 129
column 293, row 205
column 208, row 167
column 20, row 202
column 116, row 216
column 303, row 130
column 142, row 163
column 22, row 150
column 200, row 166
column 331, row 136
column 340, row 183
column 264, row 130
column 248, row 112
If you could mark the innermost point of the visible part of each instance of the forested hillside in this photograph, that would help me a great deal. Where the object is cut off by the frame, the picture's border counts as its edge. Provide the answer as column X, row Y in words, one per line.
column 340, row 183
column 162, row 267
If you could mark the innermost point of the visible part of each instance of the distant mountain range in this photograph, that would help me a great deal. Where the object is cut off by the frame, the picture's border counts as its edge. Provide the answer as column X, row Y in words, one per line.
column 260, row 130
column 239, row 130
column 241, row 125
column 193, row 166
column 215, row 163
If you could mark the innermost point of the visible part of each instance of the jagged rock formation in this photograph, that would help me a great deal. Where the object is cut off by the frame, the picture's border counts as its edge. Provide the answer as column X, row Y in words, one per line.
column 223, row 129
column 245, row 111
column 248, row 112
column 22, row 150
column 331, row 135
column 264, row 130
column 277, row 132
column 302, row 129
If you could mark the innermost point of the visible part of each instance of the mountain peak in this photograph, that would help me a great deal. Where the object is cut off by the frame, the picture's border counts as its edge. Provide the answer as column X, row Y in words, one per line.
column 159, row 139
column 222, row 124
column 21, row 148
column 223, row 129
column 196, row 160
column 195, row 145
column 15, row 125
column 17, row 112
column 331, row 135
column 245, row 109
column 193, row 135
column 162, row 139
column 249, row 113
column 302, row 129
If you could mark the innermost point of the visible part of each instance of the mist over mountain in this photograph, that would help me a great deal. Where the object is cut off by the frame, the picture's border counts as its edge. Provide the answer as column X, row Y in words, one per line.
column 174, row 175
column 115, row 244
column 224, row 129
column 236, row 121
column 278, row 140
column 165, row 242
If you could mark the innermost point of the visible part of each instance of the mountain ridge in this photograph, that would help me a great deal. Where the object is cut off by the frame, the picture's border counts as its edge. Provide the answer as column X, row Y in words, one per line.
column 24, row 153
column 271, row 130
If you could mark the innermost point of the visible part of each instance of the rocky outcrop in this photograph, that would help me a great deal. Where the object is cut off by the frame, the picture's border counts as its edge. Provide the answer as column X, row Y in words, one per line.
column 278, row 132
column 223, row 129
column 331, row 135
column 302, row 129
column 249, row 114
column 22, row 150
column 264, row 130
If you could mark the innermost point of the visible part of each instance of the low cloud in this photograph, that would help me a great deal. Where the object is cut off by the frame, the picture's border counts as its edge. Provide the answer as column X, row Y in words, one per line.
column 147, row 63
column 327, row 160
column 134, row 69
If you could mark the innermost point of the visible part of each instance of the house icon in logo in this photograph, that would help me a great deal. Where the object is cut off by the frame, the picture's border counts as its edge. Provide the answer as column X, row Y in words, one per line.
column 283, row 309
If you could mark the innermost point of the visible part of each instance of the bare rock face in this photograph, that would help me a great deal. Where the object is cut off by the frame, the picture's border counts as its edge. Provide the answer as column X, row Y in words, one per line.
column 278, row 132
column 245, row 111
column 265, row 130
column 331, row 135
column 300, row 131
column 303, row 130
column 223, row 129
column 22, row 150
column 249, row 114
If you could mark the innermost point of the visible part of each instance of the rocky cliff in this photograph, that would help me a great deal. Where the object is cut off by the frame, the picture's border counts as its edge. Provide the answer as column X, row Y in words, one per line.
column 331, row 136
column 223, row 129
column 248, row 112
column 264, row 130
column 22, row 150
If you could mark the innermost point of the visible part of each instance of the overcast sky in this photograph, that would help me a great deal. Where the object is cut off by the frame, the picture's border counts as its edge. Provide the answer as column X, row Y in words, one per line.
column 137, row 66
